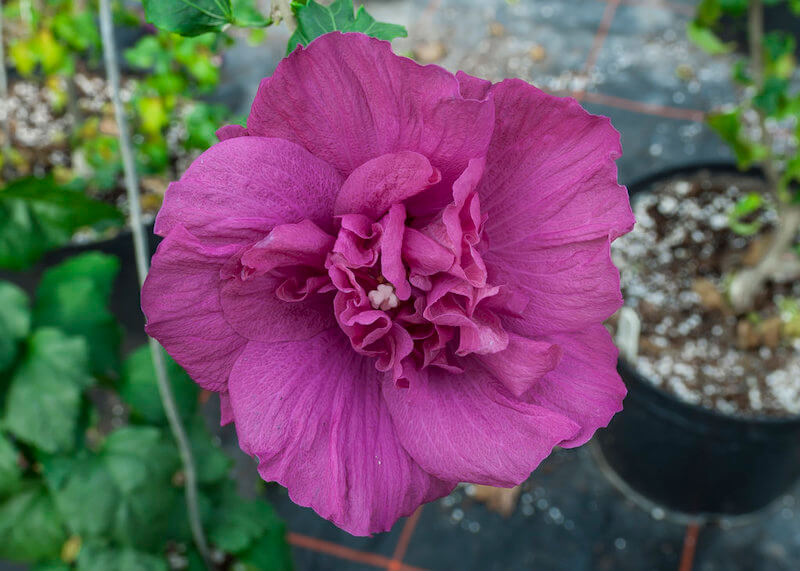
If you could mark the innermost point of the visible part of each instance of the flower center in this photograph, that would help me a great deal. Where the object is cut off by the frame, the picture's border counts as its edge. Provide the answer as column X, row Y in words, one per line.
column 383, row 297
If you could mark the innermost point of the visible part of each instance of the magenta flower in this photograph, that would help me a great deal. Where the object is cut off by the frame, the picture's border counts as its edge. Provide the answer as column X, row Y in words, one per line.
column 396, row 279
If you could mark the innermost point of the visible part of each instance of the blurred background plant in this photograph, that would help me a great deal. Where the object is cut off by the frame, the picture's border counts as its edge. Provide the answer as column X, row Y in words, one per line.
column 90, row 476
column 58, row 116
column 763, row 131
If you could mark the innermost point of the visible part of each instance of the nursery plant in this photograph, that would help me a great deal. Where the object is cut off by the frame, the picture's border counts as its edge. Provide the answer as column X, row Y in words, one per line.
column 89, row 475
column 763, row 131
column 711, row 425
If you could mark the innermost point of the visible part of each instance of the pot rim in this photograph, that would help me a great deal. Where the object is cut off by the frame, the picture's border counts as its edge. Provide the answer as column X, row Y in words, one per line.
column 629, row 371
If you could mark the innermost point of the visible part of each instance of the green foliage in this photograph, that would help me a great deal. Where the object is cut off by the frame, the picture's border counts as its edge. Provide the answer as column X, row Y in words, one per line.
column 30, row 527
column 10, row 471
column 44, row 397
column 74, row 495
column 139, row 389
column 96, row 557
column 122, row 493
column 195, row 17
column 189, row 17
column 213, row 465
column 314, row 20
column 15, row 322
column 74, row 296
column 728, row 125
column 744, row 209
column 249, row 529
column 37, row 215
column 202, row 122
column 706, row 39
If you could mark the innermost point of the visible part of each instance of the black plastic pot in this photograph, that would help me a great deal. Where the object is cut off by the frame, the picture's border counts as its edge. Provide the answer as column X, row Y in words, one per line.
column 695, row 460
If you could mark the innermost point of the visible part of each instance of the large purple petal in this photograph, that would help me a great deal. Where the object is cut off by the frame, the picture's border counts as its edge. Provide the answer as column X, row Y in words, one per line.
column 377, row 184
column 251, row 177
column 585, row 386
column 180, row 298
column 312, row 413
column 568, row 287
column 468, row 427
column 550, row 172
column 348, row 99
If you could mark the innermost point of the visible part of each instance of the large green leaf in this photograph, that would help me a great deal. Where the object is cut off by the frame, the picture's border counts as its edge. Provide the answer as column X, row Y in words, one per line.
column 314, row 20
column 212, row 463
column 238, row 524
column 124, row 492
column 84, row 492
column 37, row 215
column 74, row 297
column 139, row 389
column 96, row 557
column 44, row 398
column 15, row 322
column 10, row 472
column 30, row 527
column 706, row 39
column 142, row 462
column 189, row 17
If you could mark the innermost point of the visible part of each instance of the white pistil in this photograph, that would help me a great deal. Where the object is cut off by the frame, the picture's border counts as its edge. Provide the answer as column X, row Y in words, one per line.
column 383, row 297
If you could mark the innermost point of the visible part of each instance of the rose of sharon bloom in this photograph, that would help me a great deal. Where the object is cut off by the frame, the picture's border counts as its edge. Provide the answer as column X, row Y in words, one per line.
column 396, row 279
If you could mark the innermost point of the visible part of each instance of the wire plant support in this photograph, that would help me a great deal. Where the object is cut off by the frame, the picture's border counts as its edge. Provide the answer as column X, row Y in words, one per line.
column 142, row 266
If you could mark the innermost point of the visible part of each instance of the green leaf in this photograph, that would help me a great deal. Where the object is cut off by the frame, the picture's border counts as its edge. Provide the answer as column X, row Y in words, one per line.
column 238, row 523
column 708, row 12
column 96, row 557
column 212, row 463
column 189, row 17
column 315, row 20
column 145, row 446
column 270, row 551
column 44, row 398
column 15, row 322
column 746, row 206
column 124, row 492
column 728, row 125
column 84, row 492
column 772, row 98
column 10, row 472
column 74, row 297
column 30, row 527
column 142, row 461
column 706, row 39
column 246, row 14
column 37, row 215
column 735, row 7
column 52, row 566
column 139, row 389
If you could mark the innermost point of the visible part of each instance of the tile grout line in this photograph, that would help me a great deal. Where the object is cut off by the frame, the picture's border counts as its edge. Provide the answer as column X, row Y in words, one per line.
column 664, row 5
column 642, row 107
column 343, row 552
column 599, row 38
column 689, row 547
column 404, row 540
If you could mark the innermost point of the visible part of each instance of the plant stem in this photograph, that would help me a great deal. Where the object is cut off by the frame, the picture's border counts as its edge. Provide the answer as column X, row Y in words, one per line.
column 142, row 263
column 755, row 38
column 774, row 265
column 4, row 90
